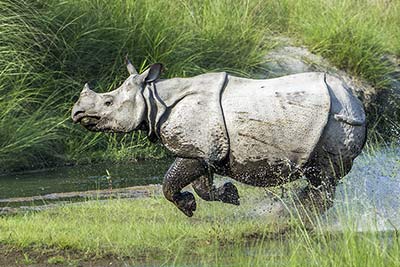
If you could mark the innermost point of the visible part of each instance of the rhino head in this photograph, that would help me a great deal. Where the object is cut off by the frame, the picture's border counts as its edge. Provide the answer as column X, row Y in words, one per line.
column 183, row 113
column 121, row 110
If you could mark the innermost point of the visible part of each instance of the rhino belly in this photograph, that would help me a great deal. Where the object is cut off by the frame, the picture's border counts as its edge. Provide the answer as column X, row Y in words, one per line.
column 273, row 126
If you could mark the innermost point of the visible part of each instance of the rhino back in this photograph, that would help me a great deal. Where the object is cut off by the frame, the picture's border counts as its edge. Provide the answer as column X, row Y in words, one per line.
column 274, row 121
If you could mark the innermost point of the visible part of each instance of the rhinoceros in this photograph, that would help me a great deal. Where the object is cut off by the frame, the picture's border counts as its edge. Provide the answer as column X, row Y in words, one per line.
column 258, row 132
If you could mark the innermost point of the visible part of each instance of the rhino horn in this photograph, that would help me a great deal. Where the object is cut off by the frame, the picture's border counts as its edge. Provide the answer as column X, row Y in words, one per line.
column 86, row 89
column 130, row 67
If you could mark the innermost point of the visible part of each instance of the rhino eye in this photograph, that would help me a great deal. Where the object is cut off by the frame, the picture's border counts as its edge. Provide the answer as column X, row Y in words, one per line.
column 108, row 103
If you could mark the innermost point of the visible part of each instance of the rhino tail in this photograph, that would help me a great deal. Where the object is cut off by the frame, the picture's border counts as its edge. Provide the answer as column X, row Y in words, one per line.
column 346, row 107
column 349, row 120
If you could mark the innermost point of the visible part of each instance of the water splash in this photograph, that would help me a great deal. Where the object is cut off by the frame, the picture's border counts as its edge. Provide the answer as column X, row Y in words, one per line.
column 368, row 198
column 369, row 195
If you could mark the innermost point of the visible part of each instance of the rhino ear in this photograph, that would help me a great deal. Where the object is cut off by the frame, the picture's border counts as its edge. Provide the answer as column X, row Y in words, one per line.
column 153, row 73
column 130, row 67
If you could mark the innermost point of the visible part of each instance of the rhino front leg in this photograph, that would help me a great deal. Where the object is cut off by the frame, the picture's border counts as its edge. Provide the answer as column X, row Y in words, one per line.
column 227, row 193
column 181, row 173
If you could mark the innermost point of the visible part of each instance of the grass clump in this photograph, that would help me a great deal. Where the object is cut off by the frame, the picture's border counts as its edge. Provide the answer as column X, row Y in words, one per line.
column 358, row 37
column 26, row 129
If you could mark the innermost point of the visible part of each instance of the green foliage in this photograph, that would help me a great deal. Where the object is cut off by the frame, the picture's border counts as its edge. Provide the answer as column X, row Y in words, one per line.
column 27, row 124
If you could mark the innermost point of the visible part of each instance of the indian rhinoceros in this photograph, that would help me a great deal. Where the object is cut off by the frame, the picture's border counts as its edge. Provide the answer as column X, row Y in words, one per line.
column 259, row 132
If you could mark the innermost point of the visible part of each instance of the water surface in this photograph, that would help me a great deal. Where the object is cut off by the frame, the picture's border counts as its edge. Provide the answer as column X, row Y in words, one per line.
column 82, row 178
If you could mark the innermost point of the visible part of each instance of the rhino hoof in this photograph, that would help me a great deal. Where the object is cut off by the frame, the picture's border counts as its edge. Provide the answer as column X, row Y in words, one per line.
column 186, row 203
column 228, row 193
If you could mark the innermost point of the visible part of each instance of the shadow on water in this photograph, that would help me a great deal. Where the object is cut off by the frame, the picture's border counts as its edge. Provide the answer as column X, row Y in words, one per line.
column 82, row 178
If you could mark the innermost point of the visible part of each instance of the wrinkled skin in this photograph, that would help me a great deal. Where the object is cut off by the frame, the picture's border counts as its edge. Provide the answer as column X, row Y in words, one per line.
column 193, row 120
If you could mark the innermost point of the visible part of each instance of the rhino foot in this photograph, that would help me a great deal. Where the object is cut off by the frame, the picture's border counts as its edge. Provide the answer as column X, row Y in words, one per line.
column 228, row 193
column 186, row 203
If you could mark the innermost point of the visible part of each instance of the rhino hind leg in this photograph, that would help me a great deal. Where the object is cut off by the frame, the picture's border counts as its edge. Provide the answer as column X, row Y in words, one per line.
column 317, row 198
column 205, row 189
column 319, row 194
column 182, row 173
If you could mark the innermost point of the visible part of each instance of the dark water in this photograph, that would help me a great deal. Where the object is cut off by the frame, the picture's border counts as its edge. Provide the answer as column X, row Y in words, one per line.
column 82, row 178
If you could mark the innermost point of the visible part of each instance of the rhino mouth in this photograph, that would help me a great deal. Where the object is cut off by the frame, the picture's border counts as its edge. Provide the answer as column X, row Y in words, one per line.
column 88, row 121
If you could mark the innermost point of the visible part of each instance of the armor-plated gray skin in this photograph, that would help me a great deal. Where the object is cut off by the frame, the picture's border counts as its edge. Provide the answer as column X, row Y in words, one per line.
column 259, row 132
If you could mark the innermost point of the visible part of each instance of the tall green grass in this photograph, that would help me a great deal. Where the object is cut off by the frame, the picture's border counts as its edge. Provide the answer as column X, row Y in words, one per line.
column 353, row 35
column 48, row 49
column 27, row 118
column 356, row 36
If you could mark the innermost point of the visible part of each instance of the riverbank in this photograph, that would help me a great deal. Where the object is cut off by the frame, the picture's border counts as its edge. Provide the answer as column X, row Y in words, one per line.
column 152, row 232
column 38, row 203
column 107, row 175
